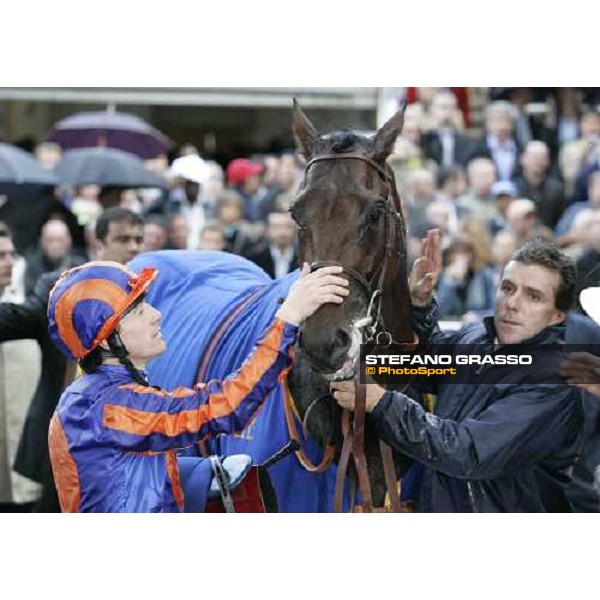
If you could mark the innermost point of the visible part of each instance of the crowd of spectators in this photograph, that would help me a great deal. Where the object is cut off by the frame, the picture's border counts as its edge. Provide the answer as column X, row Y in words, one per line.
column 532, row 171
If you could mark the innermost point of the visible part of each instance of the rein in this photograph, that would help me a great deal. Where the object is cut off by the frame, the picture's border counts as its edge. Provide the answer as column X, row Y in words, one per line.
column 301, row 455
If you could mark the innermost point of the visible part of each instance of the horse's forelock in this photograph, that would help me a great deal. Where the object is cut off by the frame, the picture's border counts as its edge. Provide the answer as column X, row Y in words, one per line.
column 341, row 142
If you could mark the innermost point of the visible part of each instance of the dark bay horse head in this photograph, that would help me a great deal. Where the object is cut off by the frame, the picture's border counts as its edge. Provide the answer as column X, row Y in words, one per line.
column 348, row 213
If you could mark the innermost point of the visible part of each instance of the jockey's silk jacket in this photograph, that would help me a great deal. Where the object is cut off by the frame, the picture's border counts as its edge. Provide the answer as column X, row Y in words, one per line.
column 113, row 442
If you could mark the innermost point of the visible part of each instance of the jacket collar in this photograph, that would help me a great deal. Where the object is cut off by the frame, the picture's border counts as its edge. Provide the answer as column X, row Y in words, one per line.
column 554, row 334
column 117, row 372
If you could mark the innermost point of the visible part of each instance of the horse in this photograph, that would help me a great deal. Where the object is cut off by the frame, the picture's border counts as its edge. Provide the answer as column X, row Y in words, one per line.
column 348, row 213
column 216, row 305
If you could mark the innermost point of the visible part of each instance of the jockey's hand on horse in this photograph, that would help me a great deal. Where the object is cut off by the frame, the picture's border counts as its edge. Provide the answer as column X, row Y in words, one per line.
column 582, row 370
column 344, row 393
column 311, row 291
column 426, row 270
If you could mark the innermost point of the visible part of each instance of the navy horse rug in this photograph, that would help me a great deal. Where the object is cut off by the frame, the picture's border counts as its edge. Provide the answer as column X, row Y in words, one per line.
column 215, row 307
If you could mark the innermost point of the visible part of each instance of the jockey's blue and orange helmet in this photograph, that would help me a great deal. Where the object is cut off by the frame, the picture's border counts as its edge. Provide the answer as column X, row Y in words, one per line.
column 87, row 303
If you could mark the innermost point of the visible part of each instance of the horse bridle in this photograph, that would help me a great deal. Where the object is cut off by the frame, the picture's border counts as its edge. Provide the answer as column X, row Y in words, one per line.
column 373, row 322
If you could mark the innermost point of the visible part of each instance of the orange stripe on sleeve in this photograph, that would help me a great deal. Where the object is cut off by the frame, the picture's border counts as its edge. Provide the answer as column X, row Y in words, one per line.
column 63, row 467
column 180, row 392
column 143, row 389
column 173, row 471
column 234, row 391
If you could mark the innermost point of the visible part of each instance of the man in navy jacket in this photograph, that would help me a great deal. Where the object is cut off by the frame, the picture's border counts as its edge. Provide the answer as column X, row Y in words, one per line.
column 491, row 440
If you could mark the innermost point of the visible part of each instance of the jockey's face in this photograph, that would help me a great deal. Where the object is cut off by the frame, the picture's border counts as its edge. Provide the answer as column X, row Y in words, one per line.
column 140, row 332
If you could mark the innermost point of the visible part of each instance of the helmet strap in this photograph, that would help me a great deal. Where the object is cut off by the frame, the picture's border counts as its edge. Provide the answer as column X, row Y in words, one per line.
column 119, row 351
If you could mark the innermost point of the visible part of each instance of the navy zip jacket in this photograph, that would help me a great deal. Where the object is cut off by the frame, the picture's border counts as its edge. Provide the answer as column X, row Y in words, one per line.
column 488, row 441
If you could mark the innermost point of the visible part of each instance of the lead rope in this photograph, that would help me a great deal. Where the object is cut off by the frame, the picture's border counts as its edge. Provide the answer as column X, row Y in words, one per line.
column 360, row 461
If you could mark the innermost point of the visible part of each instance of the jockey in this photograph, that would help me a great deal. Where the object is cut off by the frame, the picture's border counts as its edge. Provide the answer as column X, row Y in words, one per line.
column 113, row 438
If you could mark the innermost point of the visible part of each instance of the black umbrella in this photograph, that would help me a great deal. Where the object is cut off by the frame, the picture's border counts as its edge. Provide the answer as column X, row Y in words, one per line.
column 106, row 167
column 18, row 166
column 113, row 129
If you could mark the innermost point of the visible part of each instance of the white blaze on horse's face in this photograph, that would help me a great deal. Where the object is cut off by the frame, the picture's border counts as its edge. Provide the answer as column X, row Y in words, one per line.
column 349, row 368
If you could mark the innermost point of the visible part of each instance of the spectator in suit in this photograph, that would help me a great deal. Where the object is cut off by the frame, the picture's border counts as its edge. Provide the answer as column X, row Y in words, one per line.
column 155, row 233
column 178, row 233
column 442, row 215
column 504, row 245
column 588, row 269
column 240, row 236
column 54, row 253
column 503, row 193
column 536, row 183
column 575, row 242
column 19, row 371
column 444, row 144
column 452, row 184
column 212, row 238
column 523, row 221
column 499, row 143
column 245, row 177
column 444, row 212
column 478, row 201
column 289, row 178
column 576, row 154
column 566, row 221
column 278, row 256
column 534, row 115
column 420, row 193
column 467, row 283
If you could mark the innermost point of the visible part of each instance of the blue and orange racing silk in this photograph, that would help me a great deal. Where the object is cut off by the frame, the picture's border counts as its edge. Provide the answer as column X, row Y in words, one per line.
column 113, row 442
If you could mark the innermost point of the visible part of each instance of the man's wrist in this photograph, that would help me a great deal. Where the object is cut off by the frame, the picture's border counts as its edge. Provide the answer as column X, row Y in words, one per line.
column 420, row 303
column 377, row 394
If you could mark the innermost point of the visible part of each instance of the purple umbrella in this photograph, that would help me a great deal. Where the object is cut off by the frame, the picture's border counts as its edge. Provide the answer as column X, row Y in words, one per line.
column 113, row 129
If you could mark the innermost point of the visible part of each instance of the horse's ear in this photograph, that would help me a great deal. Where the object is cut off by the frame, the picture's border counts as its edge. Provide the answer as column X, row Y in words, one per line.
column 385, row 138
column 305, row 133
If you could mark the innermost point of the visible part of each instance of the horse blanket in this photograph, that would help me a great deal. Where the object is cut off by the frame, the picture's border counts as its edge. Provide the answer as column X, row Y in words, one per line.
column 215, row 307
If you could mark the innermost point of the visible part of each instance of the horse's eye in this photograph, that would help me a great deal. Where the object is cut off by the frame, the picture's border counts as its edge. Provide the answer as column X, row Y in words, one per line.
column 376, row 215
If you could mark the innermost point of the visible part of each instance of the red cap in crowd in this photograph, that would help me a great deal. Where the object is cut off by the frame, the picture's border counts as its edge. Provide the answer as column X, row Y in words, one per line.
column 240, row 169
